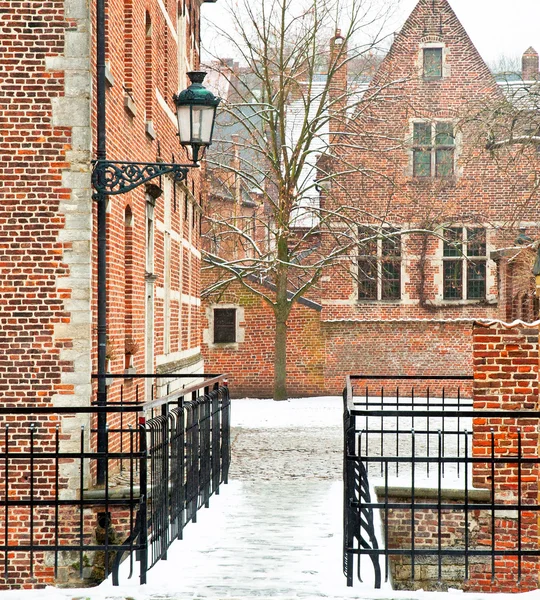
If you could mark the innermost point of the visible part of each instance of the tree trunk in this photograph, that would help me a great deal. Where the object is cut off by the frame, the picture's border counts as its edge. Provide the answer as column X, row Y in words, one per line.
column 281, row 312
column 280, row 360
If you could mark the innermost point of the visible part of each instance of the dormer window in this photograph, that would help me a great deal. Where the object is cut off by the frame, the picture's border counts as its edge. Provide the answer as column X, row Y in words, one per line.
column 433, row 63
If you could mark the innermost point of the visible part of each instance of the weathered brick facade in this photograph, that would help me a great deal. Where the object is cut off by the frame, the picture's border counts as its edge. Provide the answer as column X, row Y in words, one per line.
column 425, row 327
column 249, row 361
column 47, row 216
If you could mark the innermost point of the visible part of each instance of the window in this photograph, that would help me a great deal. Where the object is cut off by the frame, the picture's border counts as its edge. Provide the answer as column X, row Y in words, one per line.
column 379, row 265
column 433, row 149
column 433, row 63
column 224, row 325
column 464, row 264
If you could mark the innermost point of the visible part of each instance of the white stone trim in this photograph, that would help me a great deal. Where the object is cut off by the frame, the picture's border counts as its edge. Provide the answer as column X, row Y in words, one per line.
column 72, row 109
column 208, row 333
column 192, row 300
column 163, row 359
column 168, row 20
column 167, row 109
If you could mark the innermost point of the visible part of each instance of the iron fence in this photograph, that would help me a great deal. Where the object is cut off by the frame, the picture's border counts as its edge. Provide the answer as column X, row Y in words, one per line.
column 163, row 461
column 436, row 493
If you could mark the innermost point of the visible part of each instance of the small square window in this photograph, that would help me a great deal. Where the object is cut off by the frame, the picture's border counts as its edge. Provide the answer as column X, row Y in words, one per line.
column 433, row 63
column 224, row 325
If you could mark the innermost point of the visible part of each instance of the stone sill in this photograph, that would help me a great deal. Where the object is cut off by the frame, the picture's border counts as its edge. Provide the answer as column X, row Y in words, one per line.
column 433, row 493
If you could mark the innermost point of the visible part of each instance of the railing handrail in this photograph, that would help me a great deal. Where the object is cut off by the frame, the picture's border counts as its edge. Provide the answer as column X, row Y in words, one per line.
column 173, row 396
column 477, row 413
column 417, row 377
column 348, row 392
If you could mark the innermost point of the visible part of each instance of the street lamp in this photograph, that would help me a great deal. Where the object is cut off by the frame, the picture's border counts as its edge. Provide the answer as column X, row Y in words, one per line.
column 196, row 112
column 196, row 108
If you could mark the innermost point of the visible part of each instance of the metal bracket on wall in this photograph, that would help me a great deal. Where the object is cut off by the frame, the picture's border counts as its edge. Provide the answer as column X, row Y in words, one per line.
column 112, row 177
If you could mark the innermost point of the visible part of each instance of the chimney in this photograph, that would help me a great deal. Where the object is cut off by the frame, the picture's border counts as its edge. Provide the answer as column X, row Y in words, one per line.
column 530, row 65
column 337, row 69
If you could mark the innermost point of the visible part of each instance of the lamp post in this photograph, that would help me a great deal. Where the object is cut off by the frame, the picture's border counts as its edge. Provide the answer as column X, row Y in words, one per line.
column 196, row 109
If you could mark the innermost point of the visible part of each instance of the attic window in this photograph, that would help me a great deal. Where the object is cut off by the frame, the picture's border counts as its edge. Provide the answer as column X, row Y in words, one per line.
column 433, row 58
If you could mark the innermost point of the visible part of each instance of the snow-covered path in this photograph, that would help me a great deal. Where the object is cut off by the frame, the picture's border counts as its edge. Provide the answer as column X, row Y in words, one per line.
column 274, row 531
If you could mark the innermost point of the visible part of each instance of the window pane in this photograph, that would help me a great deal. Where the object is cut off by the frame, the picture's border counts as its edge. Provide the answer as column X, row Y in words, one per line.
column 224, row 325
column 433, row 63
column 391, row 280
column 453, row 279
column 444, row 162
column 476, row 280
column 367, row 247
column 422, row 134
column 476, row 242
column 444, row 134
column 367, row 279
column 422, row 163
column 391, row 243
column 453, row 242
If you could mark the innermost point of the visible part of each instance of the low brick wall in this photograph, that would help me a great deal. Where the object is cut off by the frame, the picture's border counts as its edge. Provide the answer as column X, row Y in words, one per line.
column 401, row 348
column 506, row 378
column 506, row 368
column 427, row 533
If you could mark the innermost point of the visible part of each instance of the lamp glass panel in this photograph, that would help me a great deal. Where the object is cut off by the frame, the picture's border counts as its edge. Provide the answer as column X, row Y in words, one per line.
column 184, row 124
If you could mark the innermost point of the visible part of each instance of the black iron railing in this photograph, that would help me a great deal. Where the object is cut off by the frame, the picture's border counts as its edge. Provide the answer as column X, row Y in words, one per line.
column 437, row 494
column 164, row 460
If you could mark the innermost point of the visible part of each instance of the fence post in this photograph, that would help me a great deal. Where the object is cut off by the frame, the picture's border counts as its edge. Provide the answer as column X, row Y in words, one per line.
column 143, row 535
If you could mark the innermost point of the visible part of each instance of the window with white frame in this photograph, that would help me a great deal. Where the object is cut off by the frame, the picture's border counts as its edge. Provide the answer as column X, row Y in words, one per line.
column 433, row 148
column 464, row 263
column 379, row 264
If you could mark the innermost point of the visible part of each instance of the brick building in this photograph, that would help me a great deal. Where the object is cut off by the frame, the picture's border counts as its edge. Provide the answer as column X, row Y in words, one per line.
column 47, row 216
column 406, row 303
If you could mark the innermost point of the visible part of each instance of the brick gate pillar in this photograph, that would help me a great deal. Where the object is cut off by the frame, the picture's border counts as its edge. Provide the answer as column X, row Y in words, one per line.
column 506, row 378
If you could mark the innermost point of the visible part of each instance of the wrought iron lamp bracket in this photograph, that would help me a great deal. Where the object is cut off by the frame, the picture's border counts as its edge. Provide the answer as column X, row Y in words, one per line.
column 110, row 178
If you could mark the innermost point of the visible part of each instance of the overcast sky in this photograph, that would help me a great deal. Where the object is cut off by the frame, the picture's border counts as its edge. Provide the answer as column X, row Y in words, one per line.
column 497, row 27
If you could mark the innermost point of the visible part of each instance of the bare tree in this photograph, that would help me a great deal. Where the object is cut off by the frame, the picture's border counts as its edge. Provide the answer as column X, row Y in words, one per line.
column 287, row 97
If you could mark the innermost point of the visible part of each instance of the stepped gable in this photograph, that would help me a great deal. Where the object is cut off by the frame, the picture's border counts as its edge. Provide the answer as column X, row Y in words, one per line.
column 433, row 22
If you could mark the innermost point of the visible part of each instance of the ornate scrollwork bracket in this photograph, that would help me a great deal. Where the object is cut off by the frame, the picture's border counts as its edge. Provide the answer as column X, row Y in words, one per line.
column 110, row 178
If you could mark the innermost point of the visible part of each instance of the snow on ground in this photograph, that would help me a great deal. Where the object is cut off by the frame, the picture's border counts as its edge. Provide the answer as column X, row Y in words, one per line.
column 274, row 531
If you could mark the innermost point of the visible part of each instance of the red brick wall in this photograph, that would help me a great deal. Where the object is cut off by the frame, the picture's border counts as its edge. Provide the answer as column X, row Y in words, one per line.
column 426, row 537
column 505, row 364
column 383, row 189
column 506, row 378
column 47, row 217
column 31, row 162
column 397, row 348
column 250, row 363
column 517, row 285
